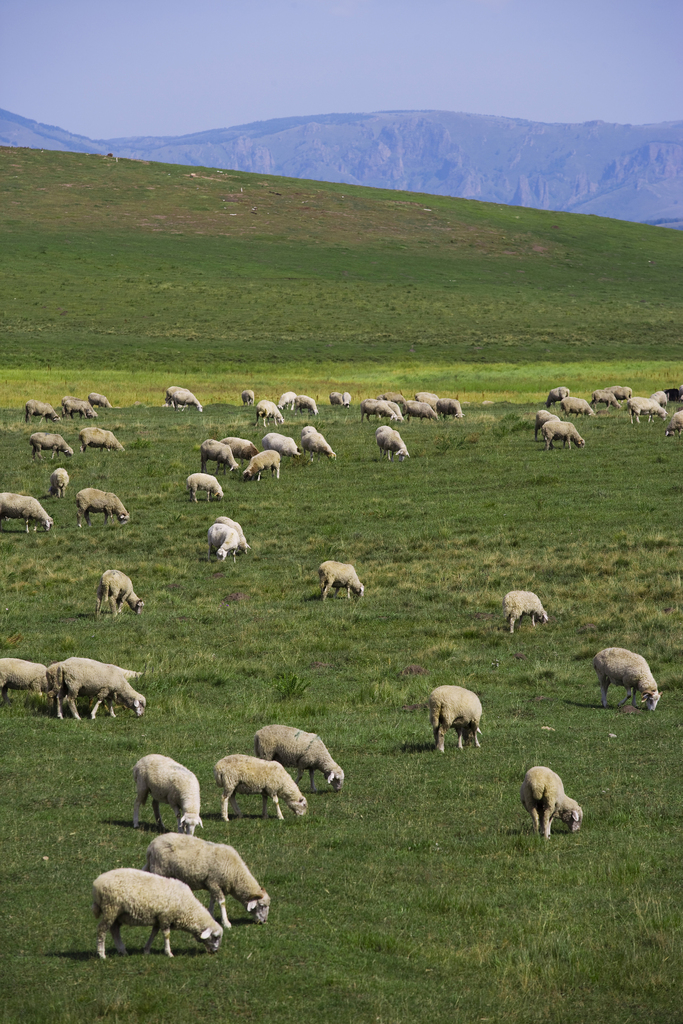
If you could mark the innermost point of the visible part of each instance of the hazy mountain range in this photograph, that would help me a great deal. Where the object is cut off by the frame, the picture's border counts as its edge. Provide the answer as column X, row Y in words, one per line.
column 632, row 172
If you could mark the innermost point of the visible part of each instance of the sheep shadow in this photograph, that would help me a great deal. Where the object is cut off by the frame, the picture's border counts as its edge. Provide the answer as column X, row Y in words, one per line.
column 415, row 747
column 144, row 826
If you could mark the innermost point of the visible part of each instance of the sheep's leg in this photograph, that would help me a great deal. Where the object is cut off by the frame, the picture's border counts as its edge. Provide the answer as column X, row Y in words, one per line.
column 459, row 729
column 547, row 820
column 5, row 698
column 152, row 937
column 311, row 773
column 94, row 710
column 533, row 618
column 27, row 525
column 87, row 519
column 277, row 807
column 348, row 591
column 635, row 694
column 116, row 935
column 264, row 812
column 511, row 620
column 603, row 691
column 326, row 590
column 534, row 817
column 476, row 741
column 439, row 737
column 217, row 894
column 157, row 815
column 628, row 694
column 72, row 707
column 101, row 935
column 235, row 807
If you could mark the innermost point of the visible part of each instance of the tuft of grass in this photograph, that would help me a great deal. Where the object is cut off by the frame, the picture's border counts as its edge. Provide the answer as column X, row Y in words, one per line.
column 289, row 686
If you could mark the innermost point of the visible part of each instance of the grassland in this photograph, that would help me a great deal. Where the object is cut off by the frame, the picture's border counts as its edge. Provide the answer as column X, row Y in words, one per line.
column 418, row 892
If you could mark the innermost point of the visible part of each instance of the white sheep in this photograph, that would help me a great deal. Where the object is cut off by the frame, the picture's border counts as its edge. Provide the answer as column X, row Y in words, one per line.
column 287, row 400
column 396, row 408
column 167, row 782
column 556, row 395
column 661, row 397
column 457, row 708
column 294, row 748
column 95, row 437
column 644, row 406
column 566, row 432
column 602, row 397
column 542, row 416
column 113, row 589
column 264, row 460
column 247, row 397
column 280, row 443
column 450, row 407
column 42, row 409
column 266, row 410
column 225, row 540
column 518, row 603
column 90, row 499
column 131, row 897
column 169, row 395
column 235, row 526
column 339, row 576
column 336, row 398
column 216, row 451
column 304, row 403
column 396, row 397
column 212, row 866
column 181, row 398
column 203, row 482
column 59, row 481
column 372, row 407
column 313, row 441
column 70, row 405
column 49, row 442
column 16, row 674
column 101, row 400
column 543, row 796
column 621, row 393
column 576, row 407
column 239, row 773
column 675, row 425
column 391, row 443
column 84, row 677
column 21, row 506
column 624, row 668
column 240, row 447
column 346, row 399
column 421, row 411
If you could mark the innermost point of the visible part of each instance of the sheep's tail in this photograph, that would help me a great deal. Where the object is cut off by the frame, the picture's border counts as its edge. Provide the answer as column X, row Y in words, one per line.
column 537, row 787
column 257, row 747
column 435, row 713
column 96, row 908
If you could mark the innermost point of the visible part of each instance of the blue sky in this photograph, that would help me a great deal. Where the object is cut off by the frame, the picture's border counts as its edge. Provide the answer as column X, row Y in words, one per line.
column 165, row 67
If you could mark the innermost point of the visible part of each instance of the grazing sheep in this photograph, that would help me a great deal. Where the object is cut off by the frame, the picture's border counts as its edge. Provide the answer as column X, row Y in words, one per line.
column 264, row 460
column 576, row 407
column 22, row 506
column 427, row 396
column 168, row 783
column 621, row 393
column 203, row 482
column 336, row 398
column 131, row 897
column 240, row 447
column 266, row 410
column 243, row 546
column 225, row 540
column 50, row 442
column 566, row 432
column 346, row 399
column 457, row 708
column 101, row 400
column 114, row 588
column 84, row 677
column 212, row 866
column 556, row 395
column 71, row 405
column 304, row 403
column 90, row 499
column 450, row 407
column 181, row 398
column 95, row 437
column 391, row 443
column 421, row 411
column 247, row 397
column 42, row 409
column 397, row 410
column 661, row 397
column 339, row 575
column 168, row 401
column 518, row 603
column 287, row 399
column 675, row 425
column 396, row 397
column 624, row 668
column 294, row 748
column 542, row 416
column 641, row 406
column 280, row 443
column 16, row 674
column 216, row 451
column 313, row 441
column 606, row 398
column 240, row 773
column 59, row 481
column 543, row 796
column 371, row 407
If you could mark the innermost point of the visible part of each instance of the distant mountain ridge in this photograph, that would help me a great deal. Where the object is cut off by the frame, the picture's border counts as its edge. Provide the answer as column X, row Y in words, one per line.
column 631, row 172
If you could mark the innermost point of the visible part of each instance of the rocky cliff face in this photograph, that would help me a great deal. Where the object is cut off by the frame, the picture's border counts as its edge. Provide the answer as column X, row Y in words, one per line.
column 633, row 172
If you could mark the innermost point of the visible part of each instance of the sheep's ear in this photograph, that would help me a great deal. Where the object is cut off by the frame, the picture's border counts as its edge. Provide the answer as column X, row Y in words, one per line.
column 201, row 823
column 330, row 777
column 251, row 905
column 575, row 815
column 183, row 819
column 205, row 934
column 136, row 703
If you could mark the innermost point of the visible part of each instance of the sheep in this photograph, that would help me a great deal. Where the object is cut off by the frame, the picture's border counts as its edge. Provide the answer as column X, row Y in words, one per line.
column 59, row 481
column 641, row 406
column 543, row 796
column 303, row 403
column 396, row 409
column 457, row 708
column 168, row 783
column 675, row 425
column 624, row 668
column 294, row 748
column 661, row 397
column 240, row 773
column 605, row 397
column 518, row 603
column 556, row 395
column 313, row 441
column 16, row 674
column 336, row 398
column 226, row 541
column 114, row 588
column 567, row 432
column 264, row 460
column 243, row 546
column 70, row 405
column 427, row 396
column 396, row 397
column 450, row 407
column 337, row 575
column 131, row 897
column 216, row 451
column 287, row 399
column 100, row 400
column 203, row 482
column 95, row 437
column 84, row 677
column 623, row 394
column 421, row 411
column 346, row 399
column 542, row 416
column 576, row 407
column 49, row 442
column 280, row 443
column 240, row 447
column 371, row 407
column 247, row 397
column 266, row 410
column 90, row 499
column 181, row 398
column 168, row 400
column 42, row 409
column 390, row 442
column 22, row 506
column 212, row 866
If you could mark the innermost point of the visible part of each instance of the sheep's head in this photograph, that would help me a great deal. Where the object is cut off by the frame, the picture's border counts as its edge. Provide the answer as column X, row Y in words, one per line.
column 336, row 779
column 47, row 523
column 138, row 607
column 211, row 937
column 259, row 908
column 544, row 616
column 360, row 589
column 137, row 704
column 55, row 418
column 572, row 816
column 403, row 454
column 579, row 442
column 123, row 517
column 299, row 806
column 67, row 451
column 189, row 822
column 200, row 408
column 651, row 699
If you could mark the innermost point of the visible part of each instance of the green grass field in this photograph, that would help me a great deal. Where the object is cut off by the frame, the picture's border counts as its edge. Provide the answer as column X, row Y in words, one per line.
column 417, row 893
